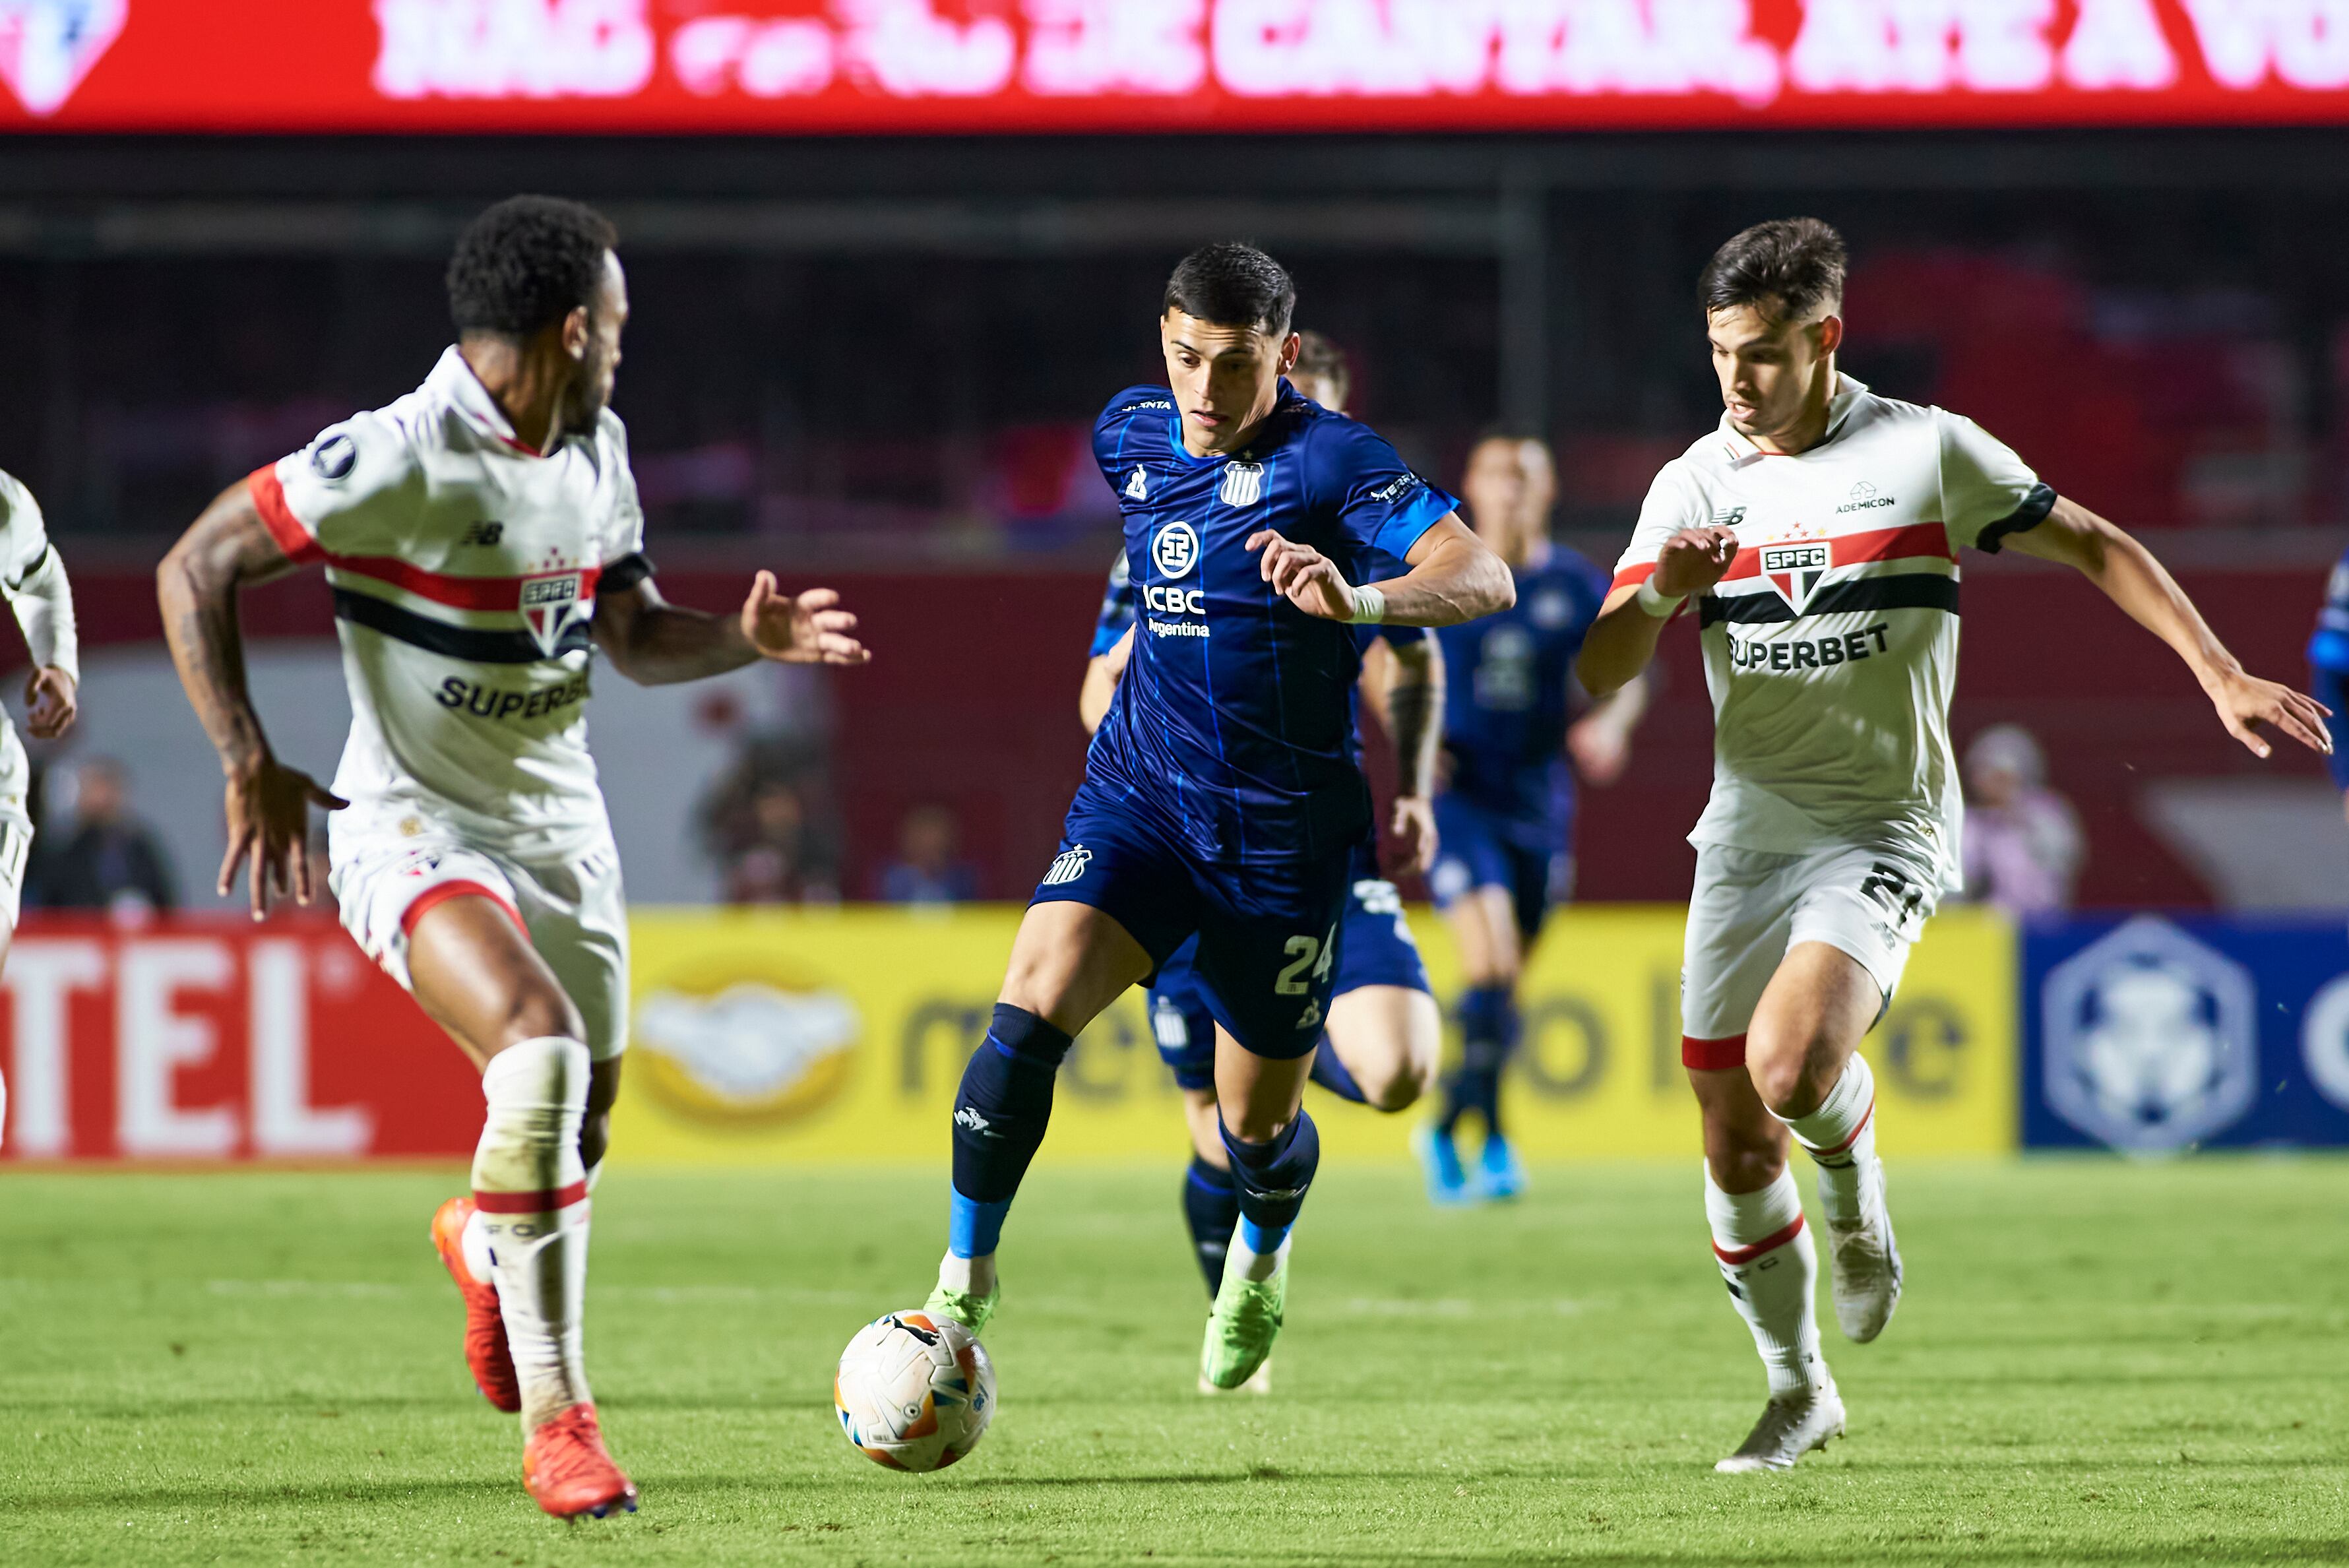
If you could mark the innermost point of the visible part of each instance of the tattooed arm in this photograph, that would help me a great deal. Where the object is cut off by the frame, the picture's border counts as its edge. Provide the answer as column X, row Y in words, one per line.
column 268, row 803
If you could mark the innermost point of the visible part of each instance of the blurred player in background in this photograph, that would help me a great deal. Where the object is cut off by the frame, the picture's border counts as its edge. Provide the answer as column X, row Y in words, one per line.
column 2328, row 659
column 482, row 537
column 33, row 578
column 1505, row 812
column 1223, row 794
column 1384, row 1031
column 1817, row 531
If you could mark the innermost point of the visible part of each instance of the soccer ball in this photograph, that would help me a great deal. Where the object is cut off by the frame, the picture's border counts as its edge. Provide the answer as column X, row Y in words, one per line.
column 914, row 1392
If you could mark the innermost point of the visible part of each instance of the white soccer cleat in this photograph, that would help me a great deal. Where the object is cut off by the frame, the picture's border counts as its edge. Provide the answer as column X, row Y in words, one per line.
column 1867, row 1262
column 1788, row 1429
column 1259, row 1382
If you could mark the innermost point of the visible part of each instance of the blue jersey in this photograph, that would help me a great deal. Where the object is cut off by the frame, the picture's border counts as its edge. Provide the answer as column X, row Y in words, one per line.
column 1235, row 721
column 1117, row 617
column 2329, row 649
column 1507, row 680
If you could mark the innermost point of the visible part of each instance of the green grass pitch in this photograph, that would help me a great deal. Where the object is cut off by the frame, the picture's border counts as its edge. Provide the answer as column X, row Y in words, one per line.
column 2096, row 1364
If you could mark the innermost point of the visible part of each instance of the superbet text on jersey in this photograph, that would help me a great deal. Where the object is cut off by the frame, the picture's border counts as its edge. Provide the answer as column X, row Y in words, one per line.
column 1830, row 646
column 465, row 568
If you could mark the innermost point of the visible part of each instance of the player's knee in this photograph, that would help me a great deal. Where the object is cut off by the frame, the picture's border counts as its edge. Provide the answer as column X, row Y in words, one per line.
column 1781, row 1064
column 1397, row 1085
column 536, row 1012
column 1258, row 1123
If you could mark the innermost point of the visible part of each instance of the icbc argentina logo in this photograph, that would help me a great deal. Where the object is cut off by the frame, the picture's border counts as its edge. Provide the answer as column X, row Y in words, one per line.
column 48, row 46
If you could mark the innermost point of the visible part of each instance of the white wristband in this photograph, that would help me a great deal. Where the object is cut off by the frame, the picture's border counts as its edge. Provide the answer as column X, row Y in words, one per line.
column 1370, row 604
column 1656, row 603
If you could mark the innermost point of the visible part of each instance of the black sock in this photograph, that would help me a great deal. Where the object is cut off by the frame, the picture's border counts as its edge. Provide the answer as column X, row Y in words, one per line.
column 1000, row 1113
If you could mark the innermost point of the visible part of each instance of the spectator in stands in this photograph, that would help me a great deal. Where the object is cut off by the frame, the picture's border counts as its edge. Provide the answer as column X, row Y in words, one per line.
column 2023, row 843
column 764, row 824
column 110, row 860
column 928, row 869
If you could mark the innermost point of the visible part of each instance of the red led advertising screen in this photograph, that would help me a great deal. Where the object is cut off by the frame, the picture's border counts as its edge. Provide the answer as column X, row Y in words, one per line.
column 1142, row 65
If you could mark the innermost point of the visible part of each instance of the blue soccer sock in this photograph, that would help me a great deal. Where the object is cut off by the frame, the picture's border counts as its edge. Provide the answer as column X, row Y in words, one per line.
column 1272, row 1179
column 1000, row 1113
column 1488, row 1028
column 1211, row 1206
column 1332, row 1074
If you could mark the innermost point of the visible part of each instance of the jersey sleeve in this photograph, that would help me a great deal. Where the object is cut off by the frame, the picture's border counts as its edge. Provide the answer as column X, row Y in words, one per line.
column 1404, row 636
column 24, row 536
column 1673, row 503
column 1987, row 492
column 1117, row 608
column 1378, row 501
column 357, row 490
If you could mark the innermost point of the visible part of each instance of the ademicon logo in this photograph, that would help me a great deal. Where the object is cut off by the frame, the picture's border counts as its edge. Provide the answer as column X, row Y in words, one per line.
column 48, row 46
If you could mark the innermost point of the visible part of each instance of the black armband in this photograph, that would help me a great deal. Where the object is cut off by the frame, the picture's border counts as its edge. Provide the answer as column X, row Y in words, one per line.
column 625, row 573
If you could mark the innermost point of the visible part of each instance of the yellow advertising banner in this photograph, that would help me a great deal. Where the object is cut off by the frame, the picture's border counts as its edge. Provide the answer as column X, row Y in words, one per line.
column 839, row 1035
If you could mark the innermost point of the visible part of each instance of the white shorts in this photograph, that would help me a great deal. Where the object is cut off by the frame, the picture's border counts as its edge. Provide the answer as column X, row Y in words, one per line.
column 1749, row 907
column 15, row 822
column 385, row 875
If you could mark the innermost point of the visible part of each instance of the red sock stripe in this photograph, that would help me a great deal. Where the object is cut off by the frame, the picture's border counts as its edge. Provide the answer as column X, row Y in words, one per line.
column 441, row 892
column 531, row 1202
column 1712, row 1055
column 1865, row 1117
column 1734, row 1255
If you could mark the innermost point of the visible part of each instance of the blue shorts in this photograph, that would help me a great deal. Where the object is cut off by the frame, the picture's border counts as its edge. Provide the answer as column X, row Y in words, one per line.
column 1374, row 948
column 1263, row 936
column 1479, row 847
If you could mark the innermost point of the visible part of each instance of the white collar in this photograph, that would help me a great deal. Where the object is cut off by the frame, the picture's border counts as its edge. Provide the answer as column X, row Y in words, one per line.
column 453, row 379
column 1848, row 391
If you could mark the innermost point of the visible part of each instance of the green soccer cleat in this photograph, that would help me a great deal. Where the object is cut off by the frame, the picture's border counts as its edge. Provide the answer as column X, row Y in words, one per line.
column 967, row 1307
column 1241, row 1327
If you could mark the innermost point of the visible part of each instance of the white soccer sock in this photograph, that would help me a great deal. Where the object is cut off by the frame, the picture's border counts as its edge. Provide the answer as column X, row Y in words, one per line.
column 1841, row 1138
column 976, row 1275
column 1766, row 1254
column 531, row 1193
column 473, row 1242
column 1247, row 1262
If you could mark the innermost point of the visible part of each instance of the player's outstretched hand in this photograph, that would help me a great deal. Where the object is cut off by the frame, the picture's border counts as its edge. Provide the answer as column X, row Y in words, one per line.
column 1693, row 559
column 1304, row 576
column 269, row 826
column 50, row 702
column 1600, row 748
column 805, row 629
column 1414, row 832
column 2245, row 702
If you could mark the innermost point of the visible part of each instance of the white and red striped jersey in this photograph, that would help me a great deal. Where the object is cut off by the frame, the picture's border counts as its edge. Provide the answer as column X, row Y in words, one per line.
column 464, row 567
column 1831, row 646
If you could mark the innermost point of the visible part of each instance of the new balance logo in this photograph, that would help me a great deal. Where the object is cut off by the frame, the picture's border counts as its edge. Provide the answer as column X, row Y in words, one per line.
column 969, row 1117
column 1138, row 485
column 1730, row 519
column 482, row 533
column 1069, row 866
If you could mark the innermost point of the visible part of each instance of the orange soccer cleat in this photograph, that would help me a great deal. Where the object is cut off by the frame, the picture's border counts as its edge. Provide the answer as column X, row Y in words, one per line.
column 485, row 1328
column 569, row 1471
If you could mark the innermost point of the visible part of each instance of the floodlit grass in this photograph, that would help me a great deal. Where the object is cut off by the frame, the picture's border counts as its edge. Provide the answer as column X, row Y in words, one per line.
column 2096, row 1364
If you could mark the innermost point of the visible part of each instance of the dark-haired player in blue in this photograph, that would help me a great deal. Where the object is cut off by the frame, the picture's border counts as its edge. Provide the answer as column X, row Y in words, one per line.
column 1385, row 1030
column 1506, row 813
column 1223, row 797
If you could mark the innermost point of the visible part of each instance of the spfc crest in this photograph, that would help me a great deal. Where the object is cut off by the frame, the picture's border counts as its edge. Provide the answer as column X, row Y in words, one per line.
column 550, row 601
column 48, row 46
column 1795, row 570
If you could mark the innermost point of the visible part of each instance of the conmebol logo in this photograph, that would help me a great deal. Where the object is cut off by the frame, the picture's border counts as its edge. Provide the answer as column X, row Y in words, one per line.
column 48, row 46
